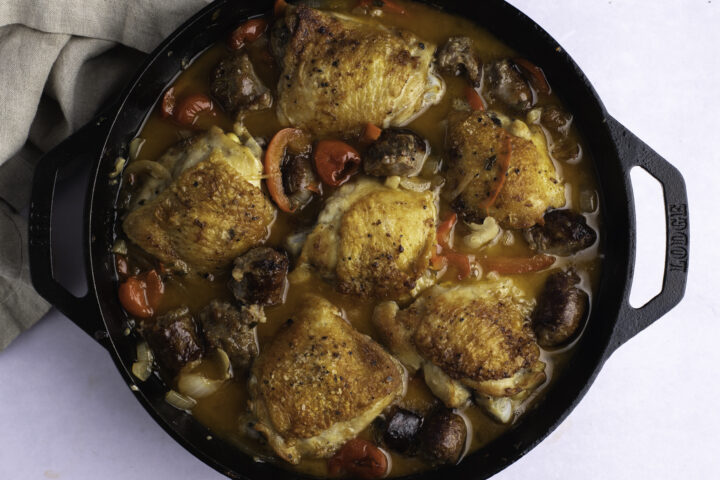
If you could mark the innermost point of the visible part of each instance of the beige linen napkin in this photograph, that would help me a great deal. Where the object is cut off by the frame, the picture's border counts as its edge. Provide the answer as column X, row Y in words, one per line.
column 59, row 61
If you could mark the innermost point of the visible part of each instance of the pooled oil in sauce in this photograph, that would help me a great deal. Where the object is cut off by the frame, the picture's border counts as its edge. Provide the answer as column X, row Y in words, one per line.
column 223, row 411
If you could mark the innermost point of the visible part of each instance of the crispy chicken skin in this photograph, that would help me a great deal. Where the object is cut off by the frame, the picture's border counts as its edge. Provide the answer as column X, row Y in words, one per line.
column 471, row 336
column 320, row 382
column 532, row 185
column 212, row 212
column 372, row 240
column 340, row 72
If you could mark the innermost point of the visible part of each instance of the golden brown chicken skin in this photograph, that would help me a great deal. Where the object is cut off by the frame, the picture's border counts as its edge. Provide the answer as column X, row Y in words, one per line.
column 340, row 72
column 476, row 143
column 320, row 382
column 212, row 212
column 372, row 240
column 473, row 336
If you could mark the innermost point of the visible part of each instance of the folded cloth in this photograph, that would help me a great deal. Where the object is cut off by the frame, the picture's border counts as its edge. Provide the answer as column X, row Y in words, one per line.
column 60, row 60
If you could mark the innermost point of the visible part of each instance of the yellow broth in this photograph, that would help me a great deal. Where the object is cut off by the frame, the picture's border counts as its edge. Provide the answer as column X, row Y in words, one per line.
column 222, row 411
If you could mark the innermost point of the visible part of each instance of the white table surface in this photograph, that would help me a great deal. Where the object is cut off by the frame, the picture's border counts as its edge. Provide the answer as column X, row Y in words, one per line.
column 653, row 410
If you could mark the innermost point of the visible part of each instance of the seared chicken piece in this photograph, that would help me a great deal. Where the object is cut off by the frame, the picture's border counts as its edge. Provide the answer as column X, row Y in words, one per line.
column 474, row 336
column 373, row 240
column 214, row 209
column 341, row 72
column 319, row 383
column 476, row 143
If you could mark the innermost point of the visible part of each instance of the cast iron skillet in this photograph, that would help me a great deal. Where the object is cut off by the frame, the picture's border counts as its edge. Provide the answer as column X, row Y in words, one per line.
column 613, row 321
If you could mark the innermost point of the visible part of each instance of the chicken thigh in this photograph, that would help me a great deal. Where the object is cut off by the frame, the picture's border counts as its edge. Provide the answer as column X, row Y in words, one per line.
column 478, row 144
column 210, row 208
column 340, row 72
column 373, row 241
column 470, row 337
column 320, row 382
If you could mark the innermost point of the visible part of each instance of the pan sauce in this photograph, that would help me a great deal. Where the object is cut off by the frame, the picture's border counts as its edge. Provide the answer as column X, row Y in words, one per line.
column 221, row 410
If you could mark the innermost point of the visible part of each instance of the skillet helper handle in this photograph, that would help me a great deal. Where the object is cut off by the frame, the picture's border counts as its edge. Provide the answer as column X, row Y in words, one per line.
column 82, row 146
column 634, row 152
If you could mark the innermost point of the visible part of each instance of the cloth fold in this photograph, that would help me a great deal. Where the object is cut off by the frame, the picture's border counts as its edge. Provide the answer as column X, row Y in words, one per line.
column 60, row 60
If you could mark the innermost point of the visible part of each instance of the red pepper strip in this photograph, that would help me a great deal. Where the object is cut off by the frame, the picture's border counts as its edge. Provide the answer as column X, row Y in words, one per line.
column 536, row 75
column 273, row 160
column 503, row 163
column 385, row 5
column 460, row 261
column 444, row 231
column 167, row 108
column 140, row 294
column 279, row 8
column 336, row 161
column 474, row 99
column 191, row 106
column 248, row 32
column 370, row 134
column 517, row 265
column 437, row 261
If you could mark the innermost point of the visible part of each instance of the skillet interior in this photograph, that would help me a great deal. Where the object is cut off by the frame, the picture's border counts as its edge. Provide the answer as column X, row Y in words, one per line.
column 525, row 36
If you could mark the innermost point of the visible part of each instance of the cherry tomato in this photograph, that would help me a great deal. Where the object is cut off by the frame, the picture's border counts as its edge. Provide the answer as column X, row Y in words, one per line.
column 167, row 108
column 140, row 294
column 336, row 161
column 360, row 459
column 248, row 32
column 517, row 265
column 186, row 113
column 292, row 138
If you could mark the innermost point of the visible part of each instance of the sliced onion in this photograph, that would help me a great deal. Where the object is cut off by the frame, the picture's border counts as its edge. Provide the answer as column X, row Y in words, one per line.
column 198, row 385
column 533, row 116
column 135, row 146
column 119, row 165
column 501, row 408
column 588, row 200
column 392, row 181
column 415, row 184
column 482, row 234
column 180, row 401
column 142, row 368
column 146, row 166
column 119, row 247
column 195, row 385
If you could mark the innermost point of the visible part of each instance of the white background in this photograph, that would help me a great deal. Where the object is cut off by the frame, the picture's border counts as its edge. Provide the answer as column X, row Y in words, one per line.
column 653, row 411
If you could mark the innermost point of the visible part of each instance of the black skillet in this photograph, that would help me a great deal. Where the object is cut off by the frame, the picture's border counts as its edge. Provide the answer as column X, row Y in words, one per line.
column 613, row 321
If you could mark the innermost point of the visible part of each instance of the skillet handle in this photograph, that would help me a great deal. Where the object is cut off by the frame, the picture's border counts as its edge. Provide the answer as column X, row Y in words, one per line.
column 633, row 152
column 83, row 146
